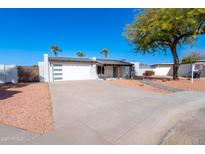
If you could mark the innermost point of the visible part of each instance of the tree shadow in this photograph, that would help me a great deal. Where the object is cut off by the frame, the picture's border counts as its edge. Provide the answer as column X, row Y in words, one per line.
column 9, row 90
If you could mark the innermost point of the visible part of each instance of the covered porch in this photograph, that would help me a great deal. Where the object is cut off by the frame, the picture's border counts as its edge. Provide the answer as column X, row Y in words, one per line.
column 114, row 71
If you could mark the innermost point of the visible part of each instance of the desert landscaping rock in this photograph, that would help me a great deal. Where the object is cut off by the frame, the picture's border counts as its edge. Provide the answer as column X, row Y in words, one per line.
column 198, row 85
column 26, row 106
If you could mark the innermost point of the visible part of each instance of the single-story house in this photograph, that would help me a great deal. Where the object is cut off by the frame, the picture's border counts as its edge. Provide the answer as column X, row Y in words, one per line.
column 63, row 68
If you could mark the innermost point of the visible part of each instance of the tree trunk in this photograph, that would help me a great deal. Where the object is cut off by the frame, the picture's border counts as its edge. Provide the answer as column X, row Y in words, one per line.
column 176, row 62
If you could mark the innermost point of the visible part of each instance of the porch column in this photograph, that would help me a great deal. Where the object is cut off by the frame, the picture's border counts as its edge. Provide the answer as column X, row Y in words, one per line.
column 118, row 71
column 130, row 72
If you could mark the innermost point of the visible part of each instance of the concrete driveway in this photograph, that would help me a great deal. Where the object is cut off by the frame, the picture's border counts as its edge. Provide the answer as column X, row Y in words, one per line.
column 97, row 112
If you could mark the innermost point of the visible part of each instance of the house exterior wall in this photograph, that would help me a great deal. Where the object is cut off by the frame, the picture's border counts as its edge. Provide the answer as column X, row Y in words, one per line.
column 93, row 71
column 135, row 68
column 70, row 71
column 184, row 70
column 41, row 71
column 8, row 73
column 159, row 70
column 142, row 70
column 162, row 71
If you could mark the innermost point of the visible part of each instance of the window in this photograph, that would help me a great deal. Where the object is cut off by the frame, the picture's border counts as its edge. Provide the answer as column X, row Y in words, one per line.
column 57, row 69
column 57, row 72
column 100, row 70
column 58, row 78
column 57, row 65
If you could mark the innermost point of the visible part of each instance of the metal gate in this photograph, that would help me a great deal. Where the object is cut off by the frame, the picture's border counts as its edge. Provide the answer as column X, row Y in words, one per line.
column 8, row 74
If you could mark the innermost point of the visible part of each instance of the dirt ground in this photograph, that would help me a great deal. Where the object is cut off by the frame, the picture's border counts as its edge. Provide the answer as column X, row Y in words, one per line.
column 139, row 85
column 26, row 106
column 198, row 85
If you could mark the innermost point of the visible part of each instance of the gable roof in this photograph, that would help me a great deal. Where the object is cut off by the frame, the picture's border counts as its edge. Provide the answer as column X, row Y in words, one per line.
column 88, row 60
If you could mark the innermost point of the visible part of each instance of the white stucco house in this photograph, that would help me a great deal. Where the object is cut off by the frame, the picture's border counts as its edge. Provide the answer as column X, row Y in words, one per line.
column 53, row 69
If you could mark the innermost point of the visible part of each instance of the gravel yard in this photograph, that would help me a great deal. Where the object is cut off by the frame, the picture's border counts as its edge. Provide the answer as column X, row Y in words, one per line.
column 26, row 106
column 137, row 84
column 198, row 85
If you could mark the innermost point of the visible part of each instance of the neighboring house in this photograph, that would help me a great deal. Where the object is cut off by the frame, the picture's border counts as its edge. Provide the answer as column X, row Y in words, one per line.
column 185, row 69
column 62, row 69
column 167, row 69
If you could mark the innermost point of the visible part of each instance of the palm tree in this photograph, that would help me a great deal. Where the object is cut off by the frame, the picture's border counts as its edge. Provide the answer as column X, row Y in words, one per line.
column 55, row 49
column 105, row 52
column 80, row 54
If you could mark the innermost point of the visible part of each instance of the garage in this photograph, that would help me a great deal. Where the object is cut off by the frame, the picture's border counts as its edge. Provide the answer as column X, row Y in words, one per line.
column 54, row 69
column 71, row 71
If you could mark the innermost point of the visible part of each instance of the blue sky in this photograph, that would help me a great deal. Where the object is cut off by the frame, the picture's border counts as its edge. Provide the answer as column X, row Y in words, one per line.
column 26, row 34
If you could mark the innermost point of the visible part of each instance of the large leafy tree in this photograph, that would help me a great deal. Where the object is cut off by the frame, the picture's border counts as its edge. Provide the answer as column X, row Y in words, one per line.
column 80, row 54
column 55, row 49
column 156, row 30
column 105, row 52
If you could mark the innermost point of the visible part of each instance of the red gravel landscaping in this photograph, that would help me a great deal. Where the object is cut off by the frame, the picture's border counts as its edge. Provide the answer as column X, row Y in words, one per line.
column 137, row 84
column 197, row 85
column 26, row 106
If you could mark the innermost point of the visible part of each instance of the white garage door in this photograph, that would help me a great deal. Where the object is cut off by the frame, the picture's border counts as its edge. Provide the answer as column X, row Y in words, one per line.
column 72, row 71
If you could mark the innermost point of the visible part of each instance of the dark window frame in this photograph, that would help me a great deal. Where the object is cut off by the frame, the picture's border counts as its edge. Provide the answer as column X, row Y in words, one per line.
column 100, row 70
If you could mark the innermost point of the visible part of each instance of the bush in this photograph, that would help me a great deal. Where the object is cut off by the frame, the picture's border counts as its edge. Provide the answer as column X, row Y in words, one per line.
column 192, row 57
column 148, row 73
